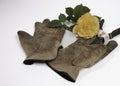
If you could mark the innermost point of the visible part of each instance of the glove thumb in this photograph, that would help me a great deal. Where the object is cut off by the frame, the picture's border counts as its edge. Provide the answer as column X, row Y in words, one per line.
column 27, row 42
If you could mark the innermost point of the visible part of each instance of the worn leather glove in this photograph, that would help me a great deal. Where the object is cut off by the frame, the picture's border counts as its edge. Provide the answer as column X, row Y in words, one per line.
column 83, row 53
column 43, row 45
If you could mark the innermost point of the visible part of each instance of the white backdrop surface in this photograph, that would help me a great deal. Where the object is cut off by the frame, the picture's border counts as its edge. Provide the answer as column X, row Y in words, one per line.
column 18, row 15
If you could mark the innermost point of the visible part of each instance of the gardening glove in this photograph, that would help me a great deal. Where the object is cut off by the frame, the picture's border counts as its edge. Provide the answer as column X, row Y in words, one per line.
column 80, row 54
column 43, row 45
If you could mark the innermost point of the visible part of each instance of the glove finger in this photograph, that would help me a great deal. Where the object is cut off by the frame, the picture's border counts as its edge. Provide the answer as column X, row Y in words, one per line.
column 38, row 28
column 90, row 57
column 95, row 56
column 46, row 21
column 27, row 42
column 44, row 24
column 110, row 47
column 41, row 28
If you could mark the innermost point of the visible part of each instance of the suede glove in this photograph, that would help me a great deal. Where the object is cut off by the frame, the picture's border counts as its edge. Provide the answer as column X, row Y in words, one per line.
column 83, row 53
column 43, row 45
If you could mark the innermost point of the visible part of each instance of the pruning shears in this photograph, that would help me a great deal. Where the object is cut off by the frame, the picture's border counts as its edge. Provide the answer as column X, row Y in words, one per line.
column 104, row 37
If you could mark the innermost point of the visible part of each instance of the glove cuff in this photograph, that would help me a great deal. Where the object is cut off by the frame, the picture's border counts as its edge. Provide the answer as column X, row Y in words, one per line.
column 63, row 74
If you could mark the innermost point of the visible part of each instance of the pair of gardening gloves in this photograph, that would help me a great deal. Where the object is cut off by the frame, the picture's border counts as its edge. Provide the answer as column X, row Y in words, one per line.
column 44, row 46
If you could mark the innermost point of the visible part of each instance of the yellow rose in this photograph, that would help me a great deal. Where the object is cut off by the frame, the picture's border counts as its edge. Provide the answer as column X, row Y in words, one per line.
column 87, row 26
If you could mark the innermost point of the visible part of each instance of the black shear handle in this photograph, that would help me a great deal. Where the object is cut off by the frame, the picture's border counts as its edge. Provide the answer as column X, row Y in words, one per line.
column 114, row 33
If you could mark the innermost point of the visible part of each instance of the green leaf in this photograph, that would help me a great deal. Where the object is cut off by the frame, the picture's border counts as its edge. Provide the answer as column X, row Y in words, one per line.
column 69, row 28
column 99, row 18
column 71, row 18
column 69, row 11
column 79, row 10
column 54, row 24
column 62, row 17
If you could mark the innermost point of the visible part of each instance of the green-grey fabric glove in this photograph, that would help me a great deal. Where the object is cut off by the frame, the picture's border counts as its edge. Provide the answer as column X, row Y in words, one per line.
column 43, row 45
column 83, row 53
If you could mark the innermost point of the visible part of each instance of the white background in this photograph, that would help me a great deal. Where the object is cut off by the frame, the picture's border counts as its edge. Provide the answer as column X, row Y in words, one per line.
column 18, row 15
